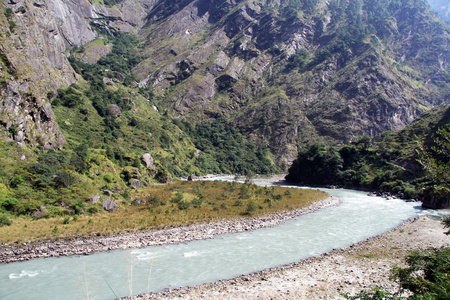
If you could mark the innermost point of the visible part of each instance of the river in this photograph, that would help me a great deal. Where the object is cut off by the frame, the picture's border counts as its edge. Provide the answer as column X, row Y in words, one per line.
column 129, row 272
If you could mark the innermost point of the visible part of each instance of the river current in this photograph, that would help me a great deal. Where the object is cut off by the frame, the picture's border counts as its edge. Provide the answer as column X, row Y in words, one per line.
column 121, row 273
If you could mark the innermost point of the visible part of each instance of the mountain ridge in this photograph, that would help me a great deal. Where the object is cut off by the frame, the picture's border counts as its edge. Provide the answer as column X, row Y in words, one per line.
column 285, row 72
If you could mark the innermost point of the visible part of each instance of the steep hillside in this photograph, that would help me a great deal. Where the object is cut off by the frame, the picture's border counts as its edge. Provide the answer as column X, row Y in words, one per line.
column 411, row 163
column 33, row 50
column 284, row 73
column 290, row 72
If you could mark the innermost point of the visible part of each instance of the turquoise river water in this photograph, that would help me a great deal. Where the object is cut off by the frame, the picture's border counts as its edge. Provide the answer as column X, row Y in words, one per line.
column 130, row 272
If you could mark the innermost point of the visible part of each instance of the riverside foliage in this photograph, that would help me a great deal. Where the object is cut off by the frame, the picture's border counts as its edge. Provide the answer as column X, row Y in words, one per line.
column 412, row 163
column 176, row 204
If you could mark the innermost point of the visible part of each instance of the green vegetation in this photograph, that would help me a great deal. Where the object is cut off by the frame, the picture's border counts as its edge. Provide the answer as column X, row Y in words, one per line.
column 393, row 162
column 175, row 204
column 426, row 276
column 225, row 149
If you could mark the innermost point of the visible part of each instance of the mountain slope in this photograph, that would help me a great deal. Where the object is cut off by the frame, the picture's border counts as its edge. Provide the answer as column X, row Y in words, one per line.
column 285, row 73
column 289, row 72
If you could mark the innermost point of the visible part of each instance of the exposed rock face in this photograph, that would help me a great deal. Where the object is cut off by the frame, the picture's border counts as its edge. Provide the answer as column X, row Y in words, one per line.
column 135, row 184
column 287, row 75
column 94, row 199
column 249, row 67
column 114, row 111
column 34, row 58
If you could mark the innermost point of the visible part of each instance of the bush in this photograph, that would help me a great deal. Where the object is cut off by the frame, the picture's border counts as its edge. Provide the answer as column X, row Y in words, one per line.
column 197, row 202
column 108, row 178
column 16, row 180
column 9, row 204
column 4, row 221
column 63, row 179
column 251, row 207
column 153, row 200
column 238, row 203
column 182, row 205
column 177, row 198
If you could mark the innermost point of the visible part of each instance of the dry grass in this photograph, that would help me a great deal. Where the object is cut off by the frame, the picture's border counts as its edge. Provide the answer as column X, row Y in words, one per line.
column 219, row 203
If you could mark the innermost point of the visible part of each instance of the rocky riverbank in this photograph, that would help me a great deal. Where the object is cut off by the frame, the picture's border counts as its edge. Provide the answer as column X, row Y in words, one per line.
column 85, row 246
column 328, row 276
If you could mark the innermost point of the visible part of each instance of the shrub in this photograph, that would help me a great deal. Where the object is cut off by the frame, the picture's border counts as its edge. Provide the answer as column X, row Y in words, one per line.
column 153, row 200
column 251, row 207
column 108, row 178
column 16, row 180
column 4, row 221
column 238, row 203
column 93, row 209
column 197, row 202
column 278, row 196
column 8, row 12
column 63, row 179
column 9, row 204
column 183, row 205
column 178, row 197
column 244, row 192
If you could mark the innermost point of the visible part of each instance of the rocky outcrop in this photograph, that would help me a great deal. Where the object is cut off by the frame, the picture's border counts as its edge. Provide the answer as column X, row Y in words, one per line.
column 290, row 75
column 34, row 58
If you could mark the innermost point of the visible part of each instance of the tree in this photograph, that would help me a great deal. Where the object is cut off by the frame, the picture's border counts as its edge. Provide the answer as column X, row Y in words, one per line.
column 436, row 161
column 436, row 164
column 427, row 275
column 317, row 165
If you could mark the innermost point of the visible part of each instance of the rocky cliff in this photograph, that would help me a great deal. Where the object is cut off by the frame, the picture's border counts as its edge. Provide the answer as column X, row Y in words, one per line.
column 292, row 72
column 36, row 36
column 285, row 72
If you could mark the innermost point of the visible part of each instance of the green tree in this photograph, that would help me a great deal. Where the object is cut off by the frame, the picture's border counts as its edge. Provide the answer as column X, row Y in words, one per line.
column 436, row 164
column 317, row 165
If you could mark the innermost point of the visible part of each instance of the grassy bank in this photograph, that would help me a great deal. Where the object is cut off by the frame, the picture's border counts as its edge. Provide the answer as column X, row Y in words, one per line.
column 176, row 204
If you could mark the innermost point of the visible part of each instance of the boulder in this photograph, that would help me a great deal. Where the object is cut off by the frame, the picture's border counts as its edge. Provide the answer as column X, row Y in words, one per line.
column 148, row 162
column 164, row 177
column 94, row 199
column 108, row 193
column 139, row 200
column 110, row 205
column 135, row 184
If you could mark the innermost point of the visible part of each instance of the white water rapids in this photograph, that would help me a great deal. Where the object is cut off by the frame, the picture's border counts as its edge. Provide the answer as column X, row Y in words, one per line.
column 130, row 272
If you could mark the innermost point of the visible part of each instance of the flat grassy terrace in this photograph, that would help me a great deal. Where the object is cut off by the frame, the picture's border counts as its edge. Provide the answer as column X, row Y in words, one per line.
column 176, row 204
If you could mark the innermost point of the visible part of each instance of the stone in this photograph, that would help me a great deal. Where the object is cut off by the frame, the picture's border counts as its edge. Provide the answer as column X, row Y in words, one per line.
column 148, row 162
column 39, row 214
column 108, row 193
column 136, row 184
column 139, row 200
column 110, row 205
column 94, row 199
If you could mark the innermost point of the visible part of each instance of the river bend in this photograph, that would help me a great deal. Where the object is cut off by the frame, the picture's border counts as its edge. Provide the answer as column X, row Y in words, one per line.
column 130, row 272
